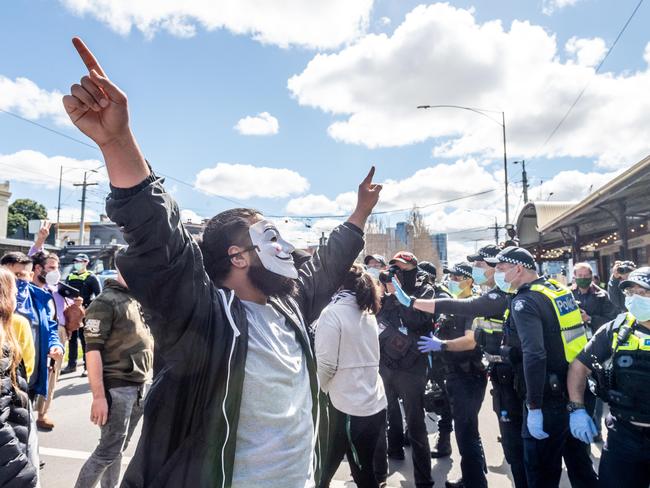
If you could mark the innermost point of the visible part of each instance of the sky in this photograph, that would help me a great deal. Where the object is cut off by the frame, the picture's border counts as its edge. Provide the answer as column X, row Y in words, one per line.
column 284, row 105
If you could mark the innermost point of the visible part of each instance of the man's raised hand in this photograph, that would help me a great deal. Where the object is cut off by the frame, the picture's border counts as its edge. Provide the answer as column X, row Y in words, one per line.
column 367, row 198
column 95, row 104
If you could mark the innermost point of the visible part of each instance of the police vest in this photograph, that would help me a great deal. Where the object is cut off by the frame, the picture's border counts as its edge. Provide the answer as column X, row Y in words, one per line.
column 450, row 327
column 572, row 329
column 490, row 330
column 628, row 394
column 79, row 277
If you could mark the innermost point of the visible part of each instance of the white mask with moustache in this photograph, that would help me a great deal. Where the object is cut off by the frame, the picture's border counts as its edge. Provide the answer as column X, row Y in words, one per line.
column 273, row 251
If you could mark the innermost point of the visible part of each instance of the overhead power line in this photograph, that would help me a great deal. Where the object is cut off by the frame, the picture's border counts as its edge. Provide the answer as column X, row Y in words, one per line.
column 401, row 210
column 582, row 92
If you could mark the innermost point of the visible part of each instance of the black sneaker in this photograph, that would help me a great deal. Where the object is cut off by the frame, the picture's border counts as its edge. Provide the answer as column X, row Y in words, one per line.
column 84, row 373
column 455, row 484
column 70, row 368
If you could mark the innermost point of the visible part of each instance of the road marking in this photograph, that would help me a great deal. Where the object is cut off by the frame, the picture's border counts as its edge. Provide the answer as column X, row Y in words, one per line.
column 70, row 454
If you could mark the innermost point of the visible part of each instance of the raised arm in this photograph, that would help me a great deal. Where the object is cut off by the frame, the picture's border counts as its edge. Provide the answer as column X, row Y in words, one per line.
column 100, row 110
column 322, row 275
column 163, row 265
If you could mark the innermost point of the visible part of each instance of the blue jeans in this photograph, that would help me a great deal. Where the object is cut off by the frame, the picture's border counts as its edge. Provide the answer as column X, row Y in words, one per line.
column 125, row 409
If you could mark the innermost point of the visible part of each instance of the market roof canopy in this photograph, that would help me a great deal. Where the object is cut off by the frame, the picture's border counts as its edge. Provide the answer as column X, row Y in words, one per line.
column 535, row 216
column 627, row 194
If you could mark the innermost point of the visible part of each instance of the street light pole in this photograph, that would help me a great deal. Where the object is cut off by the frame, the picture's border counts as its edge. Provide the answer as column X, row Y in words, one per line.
column 484, row 113
column 505, row 165
column 524, row 179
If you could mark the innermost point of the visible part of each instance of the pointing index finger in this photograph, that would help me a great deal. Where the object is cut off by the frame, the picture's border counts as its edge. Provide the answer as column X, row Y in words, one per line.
column 368, row 178
column 87, row 56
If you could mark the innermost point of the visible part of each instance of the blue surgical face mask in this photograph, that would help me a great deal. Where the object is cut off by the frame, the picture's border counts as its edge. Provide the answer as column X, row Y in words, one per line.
column 374, row 272
column 639, row 307
column 78, row 266
column 454, row 287
column 500, row 280
column 479, row 276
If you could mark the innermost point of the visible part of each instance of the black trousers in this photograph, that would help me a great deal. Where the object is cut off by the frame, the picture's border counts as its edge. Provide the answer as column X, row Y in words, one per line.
column 445, row 425
column 73, row 349
column 356, row 438
column 466, row 393
column 409, row 386
column 626, row 457
column 513, row 449
column 543, row 458
column 508, row 408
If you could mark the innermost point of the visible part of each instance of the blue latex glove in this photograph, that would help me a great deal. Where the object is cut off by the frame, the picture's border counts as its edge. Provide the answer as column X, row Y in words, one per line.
column 582, row 426
column 535, row 423
column 400, row 294
column 429, row 344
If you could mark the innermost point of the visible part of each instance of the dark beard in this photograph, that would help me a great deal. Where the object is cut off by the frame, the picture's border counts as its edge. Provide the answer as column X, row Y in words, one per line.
column 270, row 283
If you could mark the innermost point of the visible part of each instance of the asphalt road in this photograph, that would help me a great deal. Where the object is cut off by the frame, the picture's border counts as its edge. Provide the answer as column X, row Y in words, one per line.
column 74, row 437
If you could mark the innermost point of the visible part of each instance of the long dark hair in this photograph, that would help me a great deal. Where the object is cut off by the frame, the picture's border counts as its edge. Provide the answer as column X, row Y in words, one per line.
column 364, row 287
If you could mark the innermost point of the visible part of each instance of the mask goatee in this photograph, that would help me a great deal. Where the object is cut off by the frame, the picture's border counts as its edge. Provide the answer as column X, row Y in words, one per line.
column 270, row 283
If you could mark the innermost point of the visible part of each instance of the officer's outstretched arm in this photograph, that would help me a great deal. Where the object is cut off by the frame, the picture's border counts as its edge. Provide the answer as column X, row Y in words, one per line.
column 577, row 381
column 464, row 343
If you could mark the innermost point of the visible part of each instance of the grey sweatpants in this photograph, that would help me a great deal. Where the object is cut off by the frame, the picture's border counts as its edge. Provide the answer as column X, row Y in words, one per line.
column 126, row 408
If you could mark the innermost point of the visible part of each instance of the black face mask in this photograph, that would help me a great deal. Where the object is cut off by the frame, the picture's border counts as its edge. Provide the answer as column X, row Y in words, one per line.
column 41, row 277
column 407, row 279
column 270, row 283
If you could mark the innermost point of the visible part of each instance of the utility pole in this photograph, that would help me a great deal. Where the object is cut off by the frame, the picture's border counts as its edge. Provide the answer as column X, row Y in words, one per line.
column 58, row 209
column 524, row 178
column 496, row 231
column 82, row 224
column 505, row 165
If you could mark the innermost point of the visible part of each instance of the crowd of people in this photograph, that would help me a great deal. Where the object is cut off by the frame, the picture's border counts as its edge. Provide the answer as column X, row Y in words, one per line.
column 254, row 365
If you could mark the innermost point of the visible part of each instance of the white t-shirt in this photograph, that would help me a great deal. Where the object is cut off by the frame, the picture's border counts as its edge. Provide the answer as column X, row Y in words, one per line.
column 275, row 433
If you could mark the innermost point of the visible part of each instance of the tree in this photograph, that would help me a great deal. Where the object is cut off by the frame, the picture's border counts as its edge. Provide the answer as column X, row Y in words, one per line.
column 423, row 246
column 21, row 211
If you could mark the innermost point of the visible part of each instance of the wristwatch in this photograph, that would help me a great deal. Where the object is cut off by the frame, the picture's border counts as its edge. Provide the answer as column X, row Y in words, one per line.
column 412, row 303
column 573, row 406
column 443, row 346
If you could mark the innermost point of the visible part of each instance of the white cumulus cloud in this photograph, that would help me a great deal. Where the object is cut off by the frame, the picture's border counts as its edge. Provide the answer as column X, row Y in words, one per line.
column 28, row 100
column 244, row 181
column 262, row 124
column 442, row 55
column 587, row 52
column 38, row 169
column 467, row 221
column 426, row 186
column 551, row 6
column 319, row 24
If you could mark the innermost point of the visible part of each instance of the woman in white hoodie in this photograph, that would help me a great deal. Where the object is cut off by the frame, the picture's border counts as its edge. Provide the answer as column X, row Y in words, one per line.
column 347, row 352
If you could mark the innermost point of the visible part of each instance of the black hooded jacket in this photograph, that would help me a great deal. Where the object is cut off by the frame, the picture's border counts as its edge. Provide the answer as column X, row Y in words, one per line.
column 201, row 332
column 16, row 470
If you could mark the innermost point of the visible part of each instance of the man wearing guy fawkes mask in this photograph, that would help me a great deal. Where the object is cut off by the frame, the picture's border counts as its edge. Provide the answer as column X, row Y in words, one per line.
column 402, row 367
column 235, row 403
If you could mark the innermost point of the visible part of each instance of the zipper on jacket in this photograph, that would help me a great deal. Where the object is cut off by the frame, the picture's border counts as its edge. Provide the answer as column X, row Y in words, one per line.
column 227, row 303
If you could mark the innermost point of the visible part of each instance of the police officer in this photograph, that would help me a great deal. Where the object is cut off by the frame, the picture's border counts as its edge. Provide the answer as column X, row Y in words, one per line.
column 402, row 367
column 620, row 271
column 618, row 355
column 543, row 334
column 487, row 311
column 437, row 377
column 465, row 376
column 596, row 309
column 85, row 281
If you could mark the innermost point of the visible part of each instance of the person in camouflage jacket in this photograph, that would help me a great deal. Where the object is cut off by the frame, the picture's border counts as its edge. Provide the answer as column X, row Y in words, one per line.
column 120, row 361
